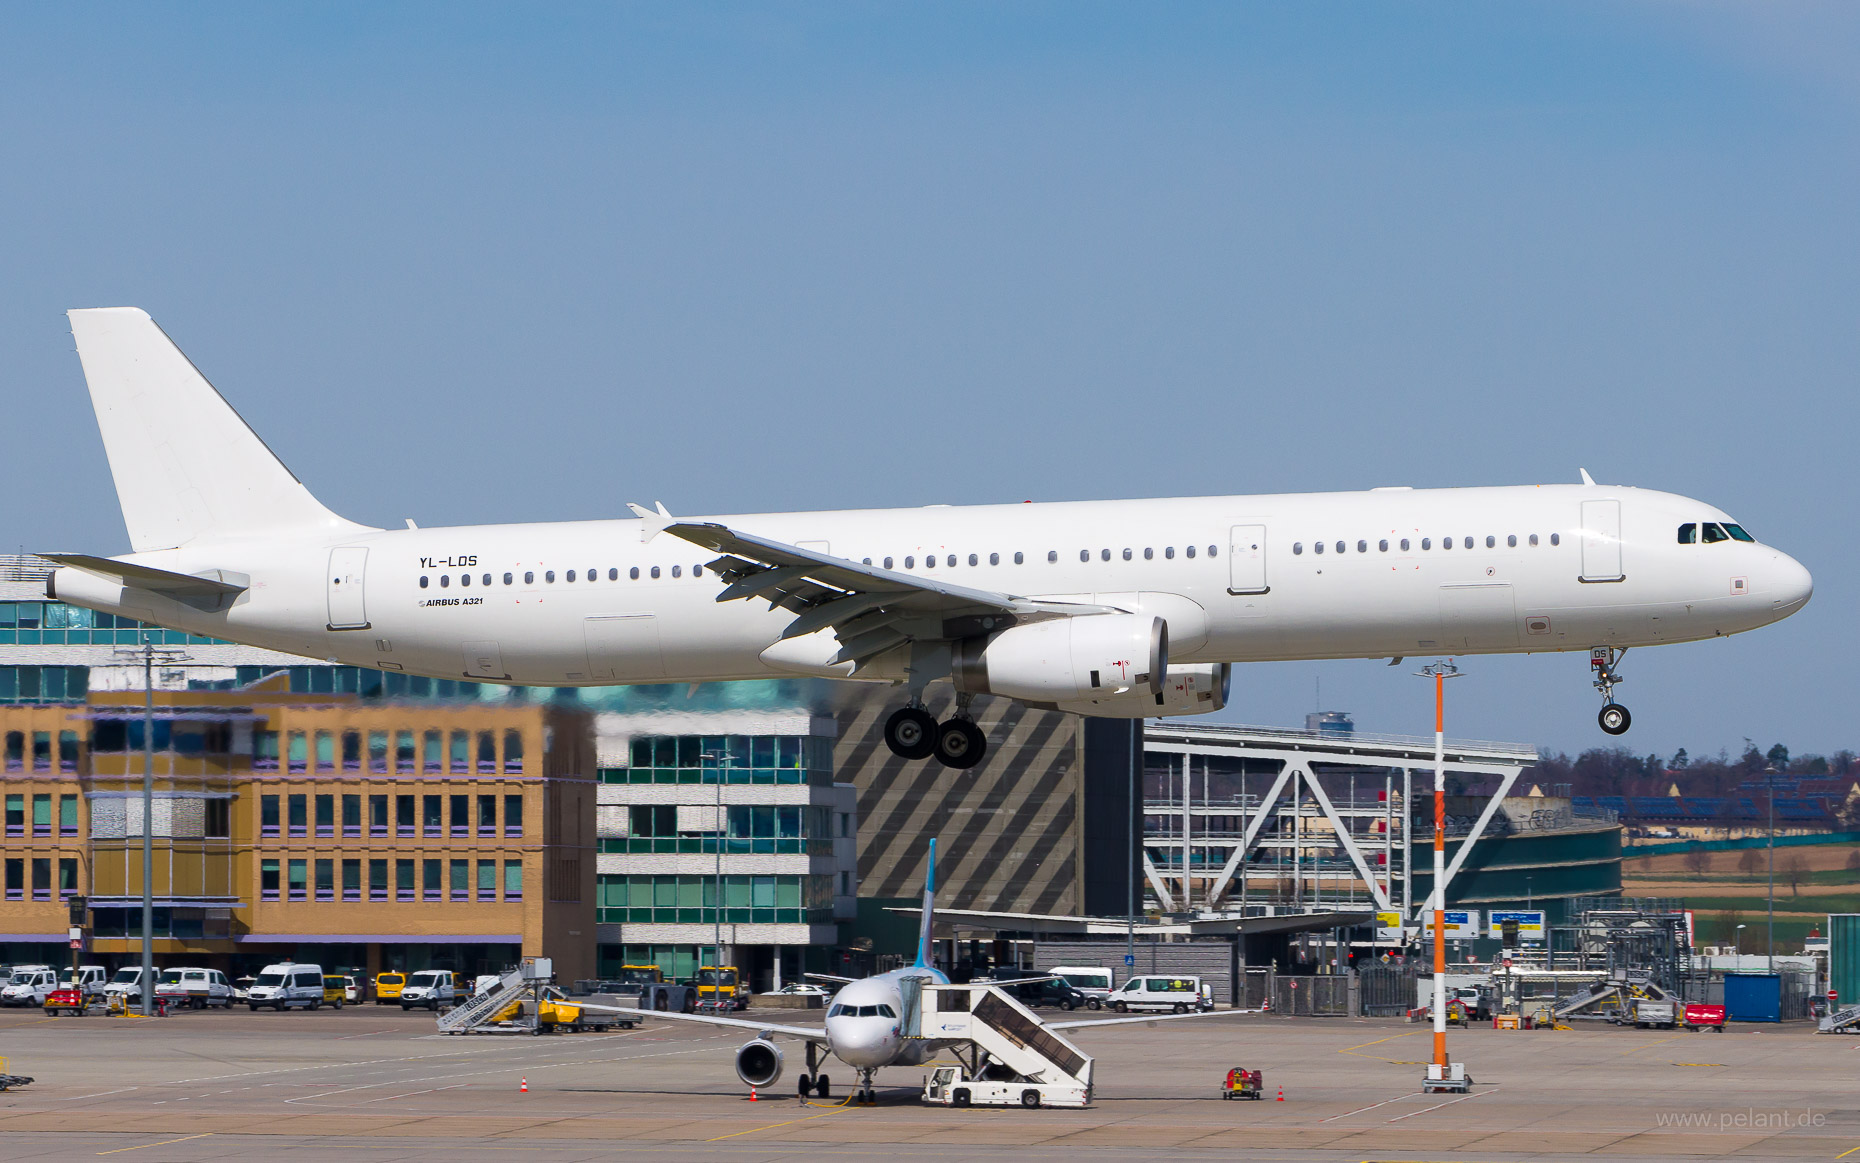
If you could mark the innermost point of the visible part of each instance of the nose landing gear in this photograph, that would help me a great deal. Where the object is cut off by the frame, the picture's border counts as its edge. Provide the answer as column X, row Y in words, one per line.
column 1613, row 717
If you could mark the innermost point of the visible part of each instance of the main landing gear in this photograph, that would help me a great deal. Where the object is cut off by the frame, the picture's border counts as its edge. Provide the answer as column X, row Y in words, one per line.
column 1614, row 717
column 913, row 733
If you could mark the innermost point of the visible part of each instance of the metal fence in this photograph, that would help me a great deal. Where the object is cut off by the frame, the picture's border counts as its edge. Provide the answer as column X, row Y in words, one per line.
column 1387, row 990
column 1323, row 995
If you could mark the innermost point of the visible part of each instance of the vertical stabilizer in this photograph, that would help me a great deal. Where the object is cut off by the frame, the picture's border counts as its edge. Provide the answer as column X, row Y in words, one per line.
column 923, row 933
column 187, row 468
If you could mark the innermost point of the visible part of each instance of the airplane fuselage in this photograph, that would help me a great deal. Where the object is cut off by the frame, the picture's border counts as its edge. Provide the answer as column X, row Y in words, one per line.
column 1238, row 579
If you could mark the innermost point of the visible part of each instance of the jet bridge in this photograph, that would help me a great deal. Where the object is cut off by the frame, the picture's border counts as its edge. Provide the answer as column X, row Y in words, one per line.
column 997, row 1039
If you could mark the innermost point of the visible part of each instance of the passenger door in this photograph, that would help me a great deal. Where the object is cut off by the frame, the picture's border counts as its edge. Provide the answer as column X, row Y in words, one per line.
column 1601, row 541
column 1246, row 555
column 348, row 608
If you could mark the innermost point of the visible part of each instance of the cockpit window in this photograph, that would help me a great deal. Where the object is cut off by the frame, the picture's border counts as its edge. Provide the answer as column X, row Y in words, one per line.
column 1737, row 533
column 885, row 1011
column 1714, row 532
column 1688, row 533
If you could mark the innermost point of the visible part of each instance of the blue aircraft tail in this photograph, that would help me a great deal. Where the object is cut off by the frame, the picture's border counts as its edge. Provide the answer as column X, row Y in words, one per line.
column 923, row 933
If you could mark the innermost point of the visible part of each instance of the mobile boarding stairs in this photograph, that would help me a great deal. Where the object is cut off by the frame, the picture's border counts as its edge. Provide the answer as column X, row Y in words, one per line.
column 1007, row 1055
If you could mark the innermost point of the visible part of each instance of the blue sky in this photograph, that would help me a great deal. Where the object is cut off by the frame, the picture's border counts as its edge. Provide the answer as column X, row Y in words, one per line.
column 507, row 262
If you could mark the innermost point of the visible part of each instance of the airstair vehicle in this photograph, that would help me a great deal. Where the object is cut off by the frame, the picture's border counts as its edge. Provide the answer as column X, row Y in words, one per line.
column 524, row 1001
column 1842, row 1021
column 1006, row 1055
column 1618, row 998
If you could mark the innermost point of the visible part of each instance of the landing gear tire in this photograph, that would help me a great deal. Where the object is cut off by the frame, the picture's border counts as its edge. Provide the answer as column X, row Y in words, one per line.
column 821, row 1088
column 960, row 744
column 1614, row 719
column 807, row 1086
column 911, row 733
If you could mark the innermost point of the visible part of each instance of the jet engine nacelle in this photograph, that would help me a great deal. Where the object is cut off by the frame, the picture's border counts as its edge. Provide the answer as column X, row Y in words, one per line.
column 1194, row 689
column 758, row 1063
column 1066, row 659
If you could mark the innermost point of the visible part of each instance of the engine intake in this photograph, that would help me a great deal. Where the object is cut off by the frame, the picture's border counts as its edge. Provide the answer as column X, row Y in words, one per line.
column 1067, row 659
column 758, row 1063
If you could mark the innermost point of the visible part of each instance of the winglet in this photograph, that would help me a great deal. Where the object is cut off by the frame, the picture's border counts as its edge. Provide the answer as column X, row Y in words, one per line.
column 655, row 519
column 923, row 933
column 1586, row 478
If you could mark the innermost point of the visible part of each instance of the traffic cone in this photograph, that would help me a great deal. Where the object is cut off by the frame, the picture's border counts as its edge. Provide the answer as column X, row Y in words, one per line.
column 525, row 1088
column 1281, row 1092
column 752, row 1095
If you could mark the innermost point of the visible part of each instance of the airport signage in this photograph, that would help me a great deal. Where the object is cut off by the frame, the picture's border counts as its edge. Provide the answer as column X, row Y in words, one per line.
column 1389, row 929
column 1458, row 924
column 1530, row 924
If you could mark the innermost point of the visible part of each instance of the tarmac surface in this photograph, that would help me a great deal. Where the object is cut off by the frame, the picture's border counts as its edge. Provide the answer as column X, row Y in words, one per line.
column 368, row 1083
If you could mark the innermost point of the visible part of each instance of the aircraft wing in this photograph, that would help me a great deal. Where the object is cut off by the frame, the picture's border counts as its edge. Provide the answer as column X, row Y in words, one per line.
column 1079, row 1025
column 830, row 977
column 870, row 610
column 806, row 1033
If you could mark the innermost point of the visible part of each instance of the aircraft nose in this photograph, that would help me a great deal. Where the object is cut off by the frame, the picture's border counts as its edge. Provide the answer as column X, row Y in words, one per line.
column 1791, row 585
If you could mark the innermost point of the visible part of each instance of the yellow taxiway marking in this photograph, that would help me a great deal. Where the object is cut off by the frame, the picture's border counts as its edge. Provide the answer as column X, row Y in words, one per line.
column 772, row 1126
column 163, row 1143
column 1352, row 1050
column 1651, row 1045
column 1846, row 1153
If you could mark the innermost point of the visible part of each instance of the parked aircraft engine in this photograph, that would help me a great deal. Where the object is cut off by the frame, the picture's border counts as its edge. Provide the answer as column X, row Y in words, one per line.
column 1192, row 689
column 1067, row 659
column 758, row 1063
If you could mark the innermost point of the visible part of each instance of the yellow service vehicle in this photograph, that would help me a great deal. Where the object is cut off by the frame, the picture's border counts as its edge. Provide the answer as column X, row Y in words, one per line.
column 388, row 987
column 720, row 987
column 335, row 991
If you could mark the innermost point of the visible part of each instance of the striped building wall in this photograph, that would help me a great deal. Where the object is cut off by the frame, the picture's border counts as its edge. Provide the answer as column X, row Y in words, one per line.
column 1007, row 830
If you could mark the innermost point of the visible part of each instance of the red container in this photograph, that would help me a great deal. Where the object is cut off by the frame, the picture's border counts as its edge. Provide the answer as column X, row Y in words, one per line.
column 1699, row 1017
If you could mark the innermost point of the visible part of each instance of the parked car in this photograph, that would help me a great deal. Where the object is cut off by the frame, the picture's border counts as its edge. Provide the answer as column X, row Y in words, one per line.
column 352, row 990
column 1094, row 981
column 805, row 989
column 1051, row 992
column 194, row 987
column 242, row 987
column 1148, row 992
column 28, row 985
column 287, row 985
column 431, row 988
column 335, row 991
column 388, row 987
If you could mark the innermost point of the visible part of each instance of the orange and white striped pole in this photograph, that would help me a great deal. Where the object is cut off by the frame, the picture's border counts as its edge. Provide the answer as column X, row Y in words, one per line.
column 1440, row 861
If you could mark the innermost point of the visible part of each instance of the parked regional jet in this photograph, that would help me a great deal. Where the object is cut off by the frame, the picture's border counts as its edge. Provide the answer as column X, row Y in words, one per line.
column 864, row 1026
column 1116, row 608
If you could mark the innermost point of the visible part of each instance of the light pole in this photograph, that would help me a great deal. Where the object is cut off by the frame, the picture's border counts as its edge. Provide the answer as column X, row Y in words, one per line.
column 1440, row 671
column 1138, row 819
column 1769, row 786
column 1738, row 936
column 147, row 651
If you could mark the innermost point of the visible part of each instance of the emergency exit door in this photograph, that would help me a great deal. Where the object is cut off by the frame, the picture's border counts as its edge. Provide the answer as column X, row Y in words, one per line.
column 1246, row 556
column 348, row 609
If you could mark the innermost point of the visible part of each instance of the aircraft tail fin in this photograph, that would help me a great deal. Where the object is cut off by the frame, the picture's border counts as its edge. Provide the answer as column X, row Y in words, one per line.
column 187, row 468
column 923, row 932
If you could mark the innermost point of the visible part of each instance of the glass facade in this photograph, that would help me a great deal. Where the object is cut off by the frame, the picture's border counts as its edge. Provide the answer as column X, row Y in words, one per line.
column 693, row 899
column 752, row 759
column 761, row 829
column 44, row 684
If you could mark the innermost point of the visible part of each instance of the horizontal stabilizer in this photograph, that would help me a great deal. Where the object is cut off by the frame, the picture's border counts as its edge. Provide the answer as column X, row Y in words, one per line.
column 212, row 583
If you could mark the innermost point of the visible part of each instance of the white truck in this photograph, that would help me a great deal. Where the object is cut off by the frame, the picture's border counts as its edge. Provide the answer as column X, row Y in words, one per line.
column 952, row 1086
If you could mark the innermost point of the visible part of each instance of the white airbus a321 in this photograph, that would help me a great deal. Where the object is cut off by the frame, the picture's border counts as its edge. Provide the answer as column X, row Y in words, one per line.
column 1115, row 608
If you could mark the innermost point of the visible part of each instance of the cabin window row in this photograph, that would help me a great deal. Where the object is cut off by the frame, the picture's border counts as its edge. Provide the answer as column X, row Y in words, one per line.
column 548, row 576
column 951, row 560
column 1407, row 544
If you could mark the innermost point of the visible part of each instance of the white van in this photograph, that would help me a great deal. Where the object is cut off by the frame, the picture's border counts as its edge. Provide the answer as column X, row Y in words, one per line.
column 1094, row 981
column 1156, row 991
column 126, row 982
column 89, row 978
column 431, row 988
column 28, row 985
column 287, row 985
column 195, row 988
